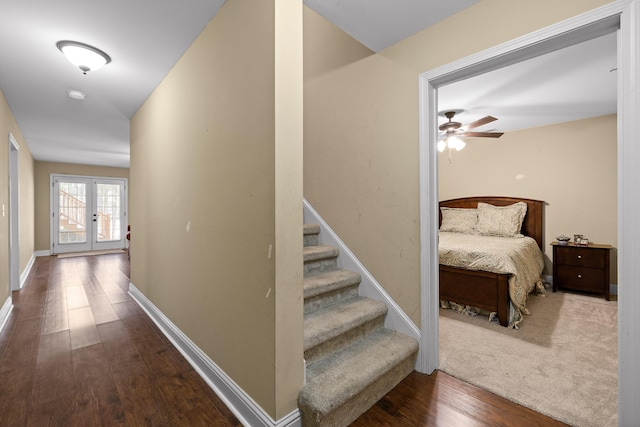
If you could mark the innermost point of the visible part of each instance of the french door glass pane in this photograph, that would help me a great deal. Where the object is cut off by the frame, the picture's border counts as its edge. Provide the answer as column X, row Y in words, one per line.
column 73, row 212
column 108, row 212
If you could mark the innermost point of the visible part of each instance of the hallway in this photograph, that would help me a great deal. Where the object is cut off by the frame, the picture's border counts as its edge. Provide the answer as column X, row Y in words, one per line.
column 77, row 350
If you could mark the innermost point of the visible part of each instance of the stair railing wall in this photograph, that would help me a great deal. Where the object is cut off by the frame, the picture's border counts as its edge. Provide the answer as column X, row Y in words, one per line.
column 396, row 318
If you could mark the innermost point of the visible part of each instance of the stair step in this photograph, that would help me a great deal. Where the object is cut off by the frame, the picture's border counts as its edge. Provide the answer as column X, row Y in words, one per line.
column 339, row 325
column 311, row 232
column 319, row 258
column 344, row 385
column 326, row 288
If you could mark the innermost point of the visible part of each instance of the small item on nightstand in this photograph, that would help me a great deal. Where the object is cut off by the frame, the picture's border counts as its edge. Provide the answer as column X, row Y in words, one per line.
column 580, row 240
column 562, row 239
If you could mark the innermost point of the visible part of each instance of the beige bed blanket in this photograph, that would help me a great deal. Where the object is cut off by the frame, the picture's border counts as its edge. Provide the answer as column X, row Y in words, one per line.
column 519, row 256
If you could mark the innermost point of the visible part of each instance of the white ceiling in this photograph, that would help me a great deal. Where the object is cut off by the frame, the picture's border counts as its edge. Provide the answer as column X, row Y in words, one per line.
column 378, row 24
column 574, row 83
column 146, row 37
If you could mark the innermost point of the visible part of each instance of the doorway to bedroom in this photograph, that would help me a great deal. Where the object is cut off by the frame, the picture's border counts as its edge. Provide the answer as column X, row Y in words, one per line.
column 569, row 162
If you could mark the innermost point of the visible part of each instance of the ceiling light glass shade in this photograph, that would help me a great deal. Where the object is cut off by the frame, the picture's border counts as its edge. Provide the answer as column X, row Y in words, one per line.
column 83, row 56
column 455, row 143
column 442, row 144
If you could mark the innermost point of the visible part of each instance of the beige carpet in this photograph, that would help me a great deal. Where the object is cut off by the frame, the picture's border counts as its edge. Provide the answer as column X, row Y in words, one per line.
column 91, row 253
column 562, row 362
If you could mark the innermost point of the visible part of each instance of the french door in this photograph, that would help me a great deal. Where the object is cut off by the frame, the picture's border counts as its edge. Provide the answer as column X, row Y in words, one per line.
column 87, row 213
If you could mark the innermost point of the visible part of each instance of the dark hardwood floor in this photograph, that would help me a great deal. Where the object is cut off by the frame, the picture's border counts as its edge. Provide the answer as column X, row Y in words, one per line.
column 77, row 351
column 442, row 400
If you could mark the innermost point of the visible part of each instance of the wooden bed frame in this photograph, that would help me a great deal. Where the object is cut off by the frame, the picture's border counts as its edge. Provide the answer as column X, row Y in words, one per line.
column 489, row 291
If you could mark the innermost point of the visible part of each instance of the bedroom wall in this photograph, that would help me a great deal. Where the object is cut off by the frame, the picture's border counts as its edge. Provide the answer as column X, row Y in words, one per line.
column 572, row 166
column 43, row 171
column 361, row 131
column 216, row 197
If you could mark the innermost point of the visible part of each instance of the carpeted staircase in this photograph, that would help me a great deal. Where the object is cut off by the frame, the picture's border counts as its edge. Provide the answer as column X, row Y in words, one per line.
column 352, row 360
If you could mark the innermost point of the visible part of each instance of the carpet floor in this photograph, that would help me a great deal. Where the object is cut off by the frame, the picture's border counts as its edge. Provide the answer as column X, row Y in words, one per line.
column 562, row 362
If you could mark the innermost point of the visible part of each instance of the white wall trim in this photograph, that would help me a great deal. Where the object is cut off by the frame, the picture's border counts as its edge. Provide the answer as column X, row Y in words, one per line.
column 5, row 311
column 27, row 270
column 626, row 14
column 14, row 214
column 396, row 318
column 628, row 205
column 248, row 412
column 42, row 253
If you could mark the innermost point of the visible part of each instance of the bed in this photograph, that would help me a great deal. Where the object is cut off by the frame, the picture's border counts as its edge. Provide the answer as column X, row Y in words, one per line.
column 485, row 289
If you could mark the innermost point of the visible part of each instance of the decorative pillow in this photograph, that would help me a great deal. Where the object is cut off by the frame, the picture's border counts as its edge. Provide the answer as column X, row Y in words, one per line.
column 504, row 221
column 459, row 220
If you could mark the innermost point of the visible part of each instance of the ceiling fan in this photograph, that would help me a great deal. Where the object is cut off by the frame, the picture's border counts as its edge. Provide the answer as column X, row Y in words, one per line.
column 453, row 130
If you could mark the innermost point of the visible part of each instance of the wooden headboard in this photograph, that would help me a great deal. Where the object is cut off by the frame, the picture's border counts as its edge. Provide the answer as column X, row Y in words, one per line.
column 532, row 225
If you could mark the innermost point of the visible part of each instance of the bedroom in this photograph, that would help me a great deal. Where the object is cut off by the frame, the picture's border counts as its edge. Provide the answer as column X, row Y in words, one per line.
column 559, row 144
column 571, row 165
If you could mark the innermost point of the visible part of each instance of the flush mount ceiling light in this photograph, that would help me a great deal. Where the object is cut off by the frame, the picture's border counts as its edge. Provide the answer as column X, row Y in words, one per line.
column 83, row 56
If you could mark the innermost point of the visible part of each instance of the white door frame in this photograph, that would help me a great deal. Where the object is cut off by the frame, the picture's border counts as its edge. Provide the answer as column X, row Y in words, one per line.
column 91, row 235
column 600, row 21
column 14, row 214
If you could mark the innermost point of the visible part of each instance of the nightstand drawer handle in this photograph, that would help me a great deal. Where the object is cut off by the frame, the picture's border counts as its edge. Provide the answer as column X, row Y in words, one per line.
column 579, row 256
column 579, row 276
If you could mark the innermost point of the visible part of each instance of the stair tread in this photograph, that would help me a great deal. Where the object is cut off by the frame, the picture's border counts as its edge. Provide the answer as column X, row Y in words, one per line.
column 328, row 281
column 333, row 380
column 312, row 253
column 311, row 229
column 329, row 322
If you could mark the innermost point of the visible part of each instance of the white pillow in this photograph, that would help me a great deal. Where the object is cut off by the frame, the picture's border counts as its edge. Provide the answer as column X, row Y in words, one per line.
column 459, row 220
column 504, row 221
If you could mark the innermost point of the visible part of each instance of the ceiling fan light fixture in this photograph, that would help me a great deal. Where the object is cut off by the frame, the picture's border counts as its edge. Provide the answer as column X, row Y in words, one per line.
column 455, row 143
column 83, row 56
column 442, row 144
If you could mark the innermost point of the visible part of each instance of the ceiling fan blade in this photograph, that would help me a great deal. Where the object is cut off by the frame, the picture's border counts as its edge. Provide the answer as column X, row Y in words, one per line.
column 482, row 134
column 480, row 122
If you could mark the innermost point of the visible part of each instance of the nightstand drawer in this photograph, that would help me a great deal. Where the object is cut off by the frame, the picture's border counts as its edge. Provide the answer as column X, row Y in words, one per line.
column 581, row 278
column 580, row 257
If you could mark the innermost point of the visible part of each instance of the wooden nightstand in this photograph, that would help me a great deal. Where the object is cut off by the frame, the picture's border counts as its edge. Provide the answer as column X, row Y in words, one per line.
column 581, row 268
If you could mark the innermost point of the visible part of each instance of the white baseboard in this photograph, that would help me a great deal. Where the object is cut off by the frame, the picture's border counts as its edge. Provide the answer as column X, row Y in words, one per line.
column 248, row 412
column 27, row 270
column 396, row 318
column 5, row 311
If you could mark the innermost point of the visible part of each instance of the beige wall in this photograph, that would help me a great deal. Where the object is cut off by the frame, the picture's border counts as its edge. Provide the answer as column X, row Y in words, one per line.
column 571, row 166
column 25, row 197
column 207, row 246
column 43, row 171
column 361, row 169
